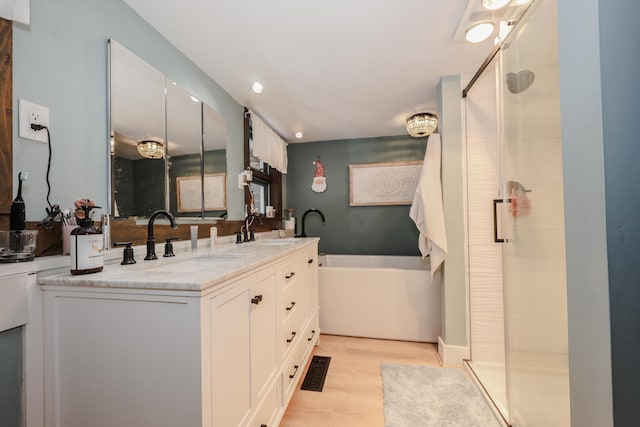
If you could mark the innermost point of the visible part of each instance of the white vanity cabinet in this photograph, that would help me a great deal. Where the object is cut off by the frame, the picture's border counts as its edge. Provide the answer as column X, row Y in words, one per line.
column 242, row 348
column 218, row 357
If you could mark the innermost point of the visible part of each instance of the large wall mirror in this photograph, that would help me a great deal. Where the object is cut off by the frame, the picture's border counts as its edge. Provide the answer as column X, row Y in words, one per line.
column 168, row 149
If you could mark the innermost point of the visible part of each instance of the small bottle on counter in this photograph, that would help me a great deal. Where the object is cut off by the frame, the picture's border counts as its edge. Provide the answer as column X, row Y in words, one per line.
column 86, row 245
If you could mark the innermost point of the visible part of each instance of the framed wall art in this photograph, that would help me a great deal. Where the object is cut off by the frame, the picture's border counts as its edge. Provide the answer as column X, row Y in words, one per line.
column 376, row 184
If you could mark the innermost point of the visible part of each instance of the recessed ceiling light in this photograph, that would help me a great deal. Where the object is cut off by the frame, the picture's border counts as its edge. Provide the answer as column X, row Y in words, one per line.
column 299, row 135
column 495, row 4
column 194, row 99
column 479, row 32
column 257, row 87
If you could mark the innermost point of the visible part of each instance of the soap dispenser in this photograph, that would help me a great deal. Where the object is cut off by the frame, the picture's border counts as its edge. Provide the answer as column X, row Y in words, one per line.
column 86, row 243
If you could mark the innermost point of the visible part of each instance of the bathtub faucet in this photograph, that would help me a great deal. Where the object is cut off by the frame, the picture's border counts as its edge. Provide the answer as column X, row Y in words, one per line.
column 304, row 216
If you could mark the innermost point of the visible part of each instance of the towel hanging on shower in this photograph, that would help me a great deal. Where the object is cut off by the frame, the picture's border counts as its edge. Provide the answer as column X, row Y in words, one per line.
column 427, row 210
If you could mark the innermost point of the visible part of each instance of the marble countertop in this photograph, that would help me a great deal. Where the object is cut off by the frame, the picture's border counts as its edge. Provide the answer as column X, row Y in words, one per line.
column 189, row 270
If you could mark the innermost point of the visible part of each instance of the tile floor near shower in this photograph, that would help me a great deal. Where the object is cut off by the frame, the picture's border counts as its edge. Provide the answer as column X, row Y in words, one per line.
column 352, row 394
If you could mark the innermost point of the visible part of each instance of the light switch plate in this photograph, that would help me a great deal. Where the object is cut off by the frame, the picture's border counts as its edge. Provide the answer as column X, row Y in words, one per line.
column 29, row 113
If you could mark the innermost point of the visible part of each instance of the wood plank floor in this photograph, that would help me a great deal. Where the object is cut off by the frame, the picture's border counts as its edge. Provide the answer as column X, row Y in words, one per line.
column 352, row 394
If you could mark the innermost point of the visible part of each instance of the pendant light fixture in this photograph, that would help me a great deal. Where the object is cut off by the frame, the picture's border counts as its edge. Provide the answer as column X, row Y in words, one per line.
column 422, row 124
column 151, row 149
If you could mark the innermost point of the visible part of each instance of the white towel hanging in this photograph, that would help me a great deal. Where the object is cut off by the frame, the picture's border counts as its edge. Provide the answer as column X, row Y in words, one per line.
column 427, row 210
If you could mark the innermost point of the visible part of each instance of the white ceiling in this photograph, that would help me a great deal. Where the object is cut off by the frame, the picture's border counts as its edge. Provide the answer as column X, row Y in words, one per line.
column 333, row 69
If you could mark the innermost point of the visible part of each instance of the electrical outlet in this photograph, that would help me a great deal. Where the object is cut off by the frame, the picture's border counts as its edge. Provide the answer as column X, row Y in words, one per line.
column 30, row 113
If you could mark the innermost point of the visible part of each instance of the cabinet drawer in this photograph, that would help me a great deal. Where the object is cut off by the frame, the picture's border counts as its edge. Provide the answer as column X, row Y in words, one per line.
column 289, row 303
column 291, row 374
column 266, row 414
column 290, row 334
column 292, row 272
column 312, row 330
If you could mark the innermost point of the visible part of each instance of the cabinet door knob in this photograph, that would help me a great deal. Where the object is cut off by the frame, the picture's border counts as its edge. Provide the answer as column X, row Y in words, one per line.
column 256, row 300
column 310, row 261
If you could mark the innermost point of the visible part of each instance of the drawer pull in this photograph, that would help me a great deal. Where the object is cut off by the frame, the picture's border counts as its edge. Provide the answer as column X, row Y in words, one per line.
column 313, row 333
column 293, row 335
column 295, row 371
column 293, row 303
column 256, row 300
column 290, row 275
column 310, row 261
column 263, row 425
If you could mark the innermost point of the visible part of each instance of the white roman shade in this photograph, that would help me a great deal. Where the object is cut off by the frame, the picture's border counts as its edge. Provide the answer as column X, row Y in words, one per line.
column 15, row 10
column 267, row 144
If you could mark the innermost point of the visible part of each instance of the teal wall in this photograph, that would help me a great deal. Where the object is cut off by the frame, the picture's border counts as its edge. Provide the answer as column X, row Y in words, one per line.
column 620, row 62
column 367, row 230
column 60, row 62
column 11, row 378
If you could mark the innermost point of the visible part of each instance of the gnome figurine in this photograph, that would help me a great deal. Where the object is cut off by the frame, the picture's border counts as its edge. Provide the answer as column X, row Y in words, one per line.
column 319, row 181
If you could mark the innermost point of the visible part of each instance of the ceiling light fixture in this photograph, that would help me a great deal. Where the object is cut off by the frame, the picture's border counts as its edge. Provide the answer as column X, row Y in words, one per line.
column 257, row 87
column 422, row 124
column 479, row 32
column 299, row 135
column 151, row 149
column 495, row 4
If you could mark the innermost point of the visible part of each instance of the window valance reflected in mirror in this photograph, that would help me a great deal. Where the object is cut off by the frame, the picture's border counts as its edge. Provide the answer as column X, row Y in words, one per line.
column 168, row 149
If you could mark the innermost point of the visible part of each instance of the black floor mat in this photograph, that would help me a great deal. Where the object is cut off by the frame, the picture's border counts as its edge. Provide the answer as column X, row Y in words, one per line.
column 317, row 372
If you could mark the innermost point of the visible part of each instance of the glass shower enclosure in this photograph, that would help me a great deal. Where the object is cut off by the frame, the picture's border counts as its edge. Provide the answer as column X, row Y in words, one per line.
column 533, row 255
column 517, row 295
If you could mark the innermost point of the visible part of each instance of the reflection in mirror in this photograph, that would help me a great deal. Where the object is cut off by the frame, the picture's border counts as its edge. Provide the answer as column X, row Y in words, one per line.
column 184, row 133
column 154, row 166
column 137, row 115
column 214, row 140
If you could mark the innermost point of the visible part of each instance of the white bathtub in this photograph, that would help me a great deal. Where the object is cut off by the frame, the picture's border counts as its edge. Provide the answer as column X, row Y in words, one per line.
column 389, row 297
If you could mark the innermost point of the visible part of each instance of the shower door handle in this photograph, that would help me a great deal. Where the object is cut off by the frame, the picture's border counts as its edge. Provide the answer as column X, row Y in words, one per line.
column 495, row 220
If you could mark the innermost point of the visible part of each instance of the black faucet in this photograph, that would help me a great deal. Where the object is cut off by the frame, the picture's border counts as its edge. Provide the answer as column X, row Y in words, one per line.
column 249, row 237
column 151, row 242
column 304, row 215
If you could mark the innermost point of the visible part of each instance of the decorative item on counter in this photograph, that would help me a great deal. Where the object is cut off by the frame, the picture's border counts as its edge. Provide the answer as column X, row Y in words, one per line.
column 270, row 212
column 86, row 241
column 290, row 219
column 17, row 245
column 319, row 184
column 68, row 224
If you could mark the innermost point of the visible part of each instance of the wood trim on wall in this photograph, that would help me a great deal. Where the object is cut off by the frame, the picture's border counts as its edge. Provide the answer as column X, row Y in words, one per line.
column 274, row 177
column 6, row 119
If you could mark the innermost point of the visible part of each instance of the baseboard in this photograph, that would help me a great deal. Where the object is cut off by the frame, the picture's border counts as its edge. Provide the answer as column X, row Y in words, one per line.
column 452, row 355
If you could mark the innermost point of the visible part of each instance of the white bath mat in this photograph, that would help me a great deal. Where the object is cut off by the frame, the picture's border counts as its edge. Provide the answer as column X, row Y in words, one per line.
column 426, row 396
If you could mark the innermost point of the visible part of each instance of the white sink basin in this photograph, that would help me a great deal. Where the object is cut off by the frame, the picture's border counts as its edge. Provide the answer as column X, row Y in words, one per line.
column 194, row 264
column 277, row 242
